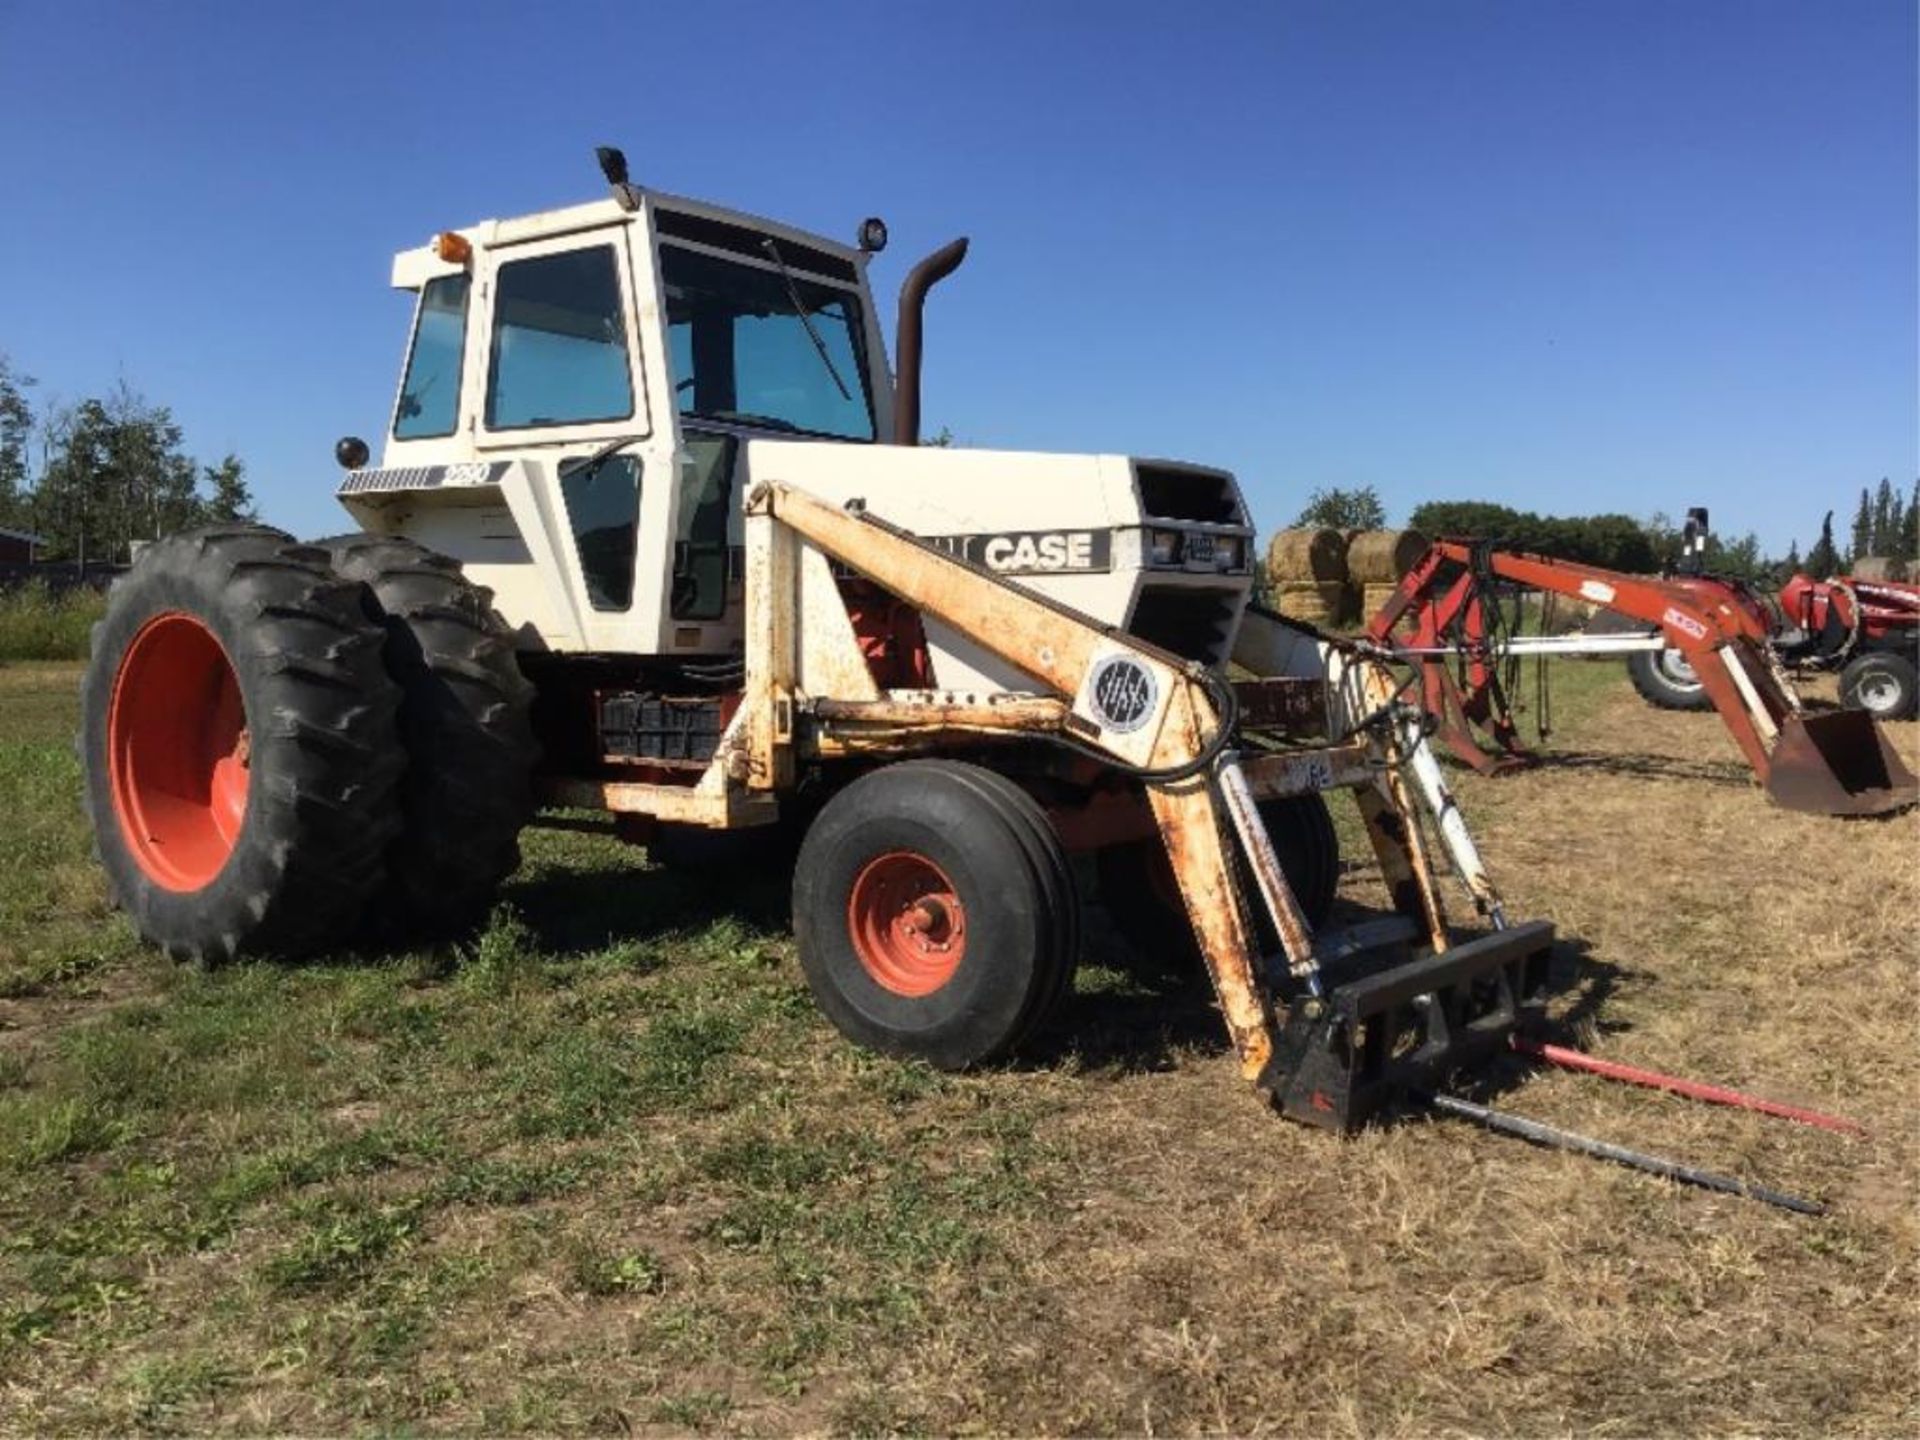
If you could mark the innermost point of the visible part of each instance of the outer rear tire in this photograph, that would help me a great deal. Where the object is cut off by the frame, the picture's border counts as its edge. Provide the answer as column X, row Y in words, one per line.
column 1666, row 679
column 1882, row 683
column 239, row 746
column 930, row 915
column 464, row 720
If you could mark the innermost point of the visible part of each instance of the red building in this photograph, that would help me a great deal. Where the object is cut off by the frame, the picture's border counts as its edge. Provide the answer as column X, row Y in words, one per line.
column 18, row 546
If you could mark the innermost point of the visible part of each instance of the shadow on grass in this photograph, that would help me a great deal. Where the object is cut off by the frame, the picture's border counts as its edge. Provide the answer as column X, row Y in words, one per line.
column 1135, row 1015
column 574, row 911
column 1729, row 773
column 1141, row 1024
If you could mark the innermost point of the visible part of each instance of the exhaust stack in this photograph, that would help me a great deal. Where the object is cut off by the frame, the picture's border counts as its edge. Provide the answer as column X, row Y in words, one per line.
column 907, row 330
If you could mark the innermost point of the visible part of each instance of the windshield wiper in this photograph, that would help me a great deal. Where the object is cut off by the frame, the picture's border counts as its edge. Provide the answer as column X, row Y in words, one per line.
column 793, row 294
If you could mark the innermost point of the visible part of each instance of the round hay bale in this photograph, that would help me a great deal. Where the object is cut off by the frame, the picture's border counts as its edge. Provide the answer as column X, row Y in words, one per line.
column 1879, row 567
column 1381, row 557
column 1300, row 555
column 1318, row 602
column 1373, row 597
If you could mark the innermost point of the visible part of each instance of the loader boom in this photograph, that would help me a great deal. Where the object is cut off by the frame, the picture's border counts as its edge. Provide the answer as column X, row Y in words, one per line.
column 1170, row 722
column 1837, row 764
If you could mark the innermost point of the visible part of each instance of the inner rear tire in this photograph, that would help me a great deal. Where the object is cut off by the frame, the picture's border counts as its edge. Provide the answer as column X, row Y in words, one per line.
column 464, row 720
column 1666, row 678
column 932, row 916
column 1882, row 683
column 239, row 746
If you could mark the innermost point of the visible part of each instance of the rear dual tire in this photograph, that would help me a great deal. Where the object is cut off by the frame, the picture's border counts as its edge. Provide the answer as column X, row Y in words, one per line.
column 465, row 723
column 288, row 746
column 239, row 745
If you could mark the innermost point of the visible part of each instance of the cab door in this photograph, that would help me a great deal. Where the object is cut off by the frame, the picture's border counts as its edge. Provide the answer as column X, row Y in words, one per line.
column 564, row 387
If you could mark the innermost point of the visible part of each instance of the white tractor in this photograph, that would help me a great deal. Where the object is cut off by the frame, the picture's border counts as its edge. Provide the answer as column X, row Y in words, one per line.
column 652, row 535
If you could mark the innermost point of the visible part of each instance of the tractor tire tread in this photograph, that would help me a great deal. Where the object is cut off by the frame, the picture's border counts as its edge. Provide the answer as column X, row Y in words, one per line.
column 319, row 816
column 465, row 721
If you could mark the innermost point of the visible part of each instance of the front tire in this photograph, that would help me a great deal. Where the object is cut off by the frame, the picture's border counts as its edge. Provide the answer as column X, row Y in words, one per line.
column 1144, row 901
column 239, row 747
column 1666, row 678
column 931, row 919
column 465, row 722
column 1882, row 683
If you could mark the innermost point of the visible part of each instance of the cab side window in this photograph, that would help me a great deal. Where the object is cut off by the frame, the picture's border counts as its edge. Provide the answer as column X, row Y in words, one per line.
column 430, row 394
column 559, row 342
column 603, row 508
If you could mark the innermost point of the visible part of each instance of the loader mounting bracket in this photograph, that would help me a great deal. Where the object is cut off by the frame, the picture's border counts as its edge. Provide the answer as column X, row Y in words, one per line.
column 1343, row 1057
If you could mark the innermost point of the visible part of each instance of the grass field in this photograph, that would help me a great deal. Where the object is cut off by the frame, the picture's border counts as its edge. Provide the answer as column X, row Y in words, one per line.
column 607, row 1169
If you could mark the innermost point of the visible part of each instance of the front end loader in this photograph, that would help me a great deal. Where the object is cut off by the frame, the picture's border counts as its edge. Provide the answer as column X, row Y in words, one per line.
column 1450, row 621
column 636, row 548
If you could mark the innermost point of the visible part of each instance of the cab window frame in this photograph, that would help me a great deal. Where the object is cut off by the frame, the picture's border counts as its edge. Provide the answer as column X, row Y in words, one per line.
column 614, row 245
column 420, row 314
column 858, row 330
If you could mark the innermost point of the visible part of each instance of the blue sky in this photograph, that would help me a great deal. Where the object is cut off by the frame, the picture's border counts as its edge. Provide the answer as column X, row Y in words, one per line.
column 1599, row 254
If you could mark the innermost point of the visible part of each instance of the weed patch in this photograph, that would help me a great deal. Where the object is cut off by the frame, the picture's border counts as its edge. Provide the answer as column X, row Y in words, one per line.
column 36, row 623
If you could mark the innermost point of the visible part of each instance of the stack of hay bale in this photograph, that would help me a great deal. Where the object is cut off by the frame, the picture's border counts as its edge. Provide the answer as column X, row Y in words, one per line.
column 1307, row 573
column 1377, row 560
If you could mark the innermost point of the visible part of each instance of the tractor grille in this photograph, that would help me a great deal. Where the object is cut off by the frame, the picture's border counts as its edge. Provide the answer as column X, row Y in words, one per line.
column 1194, row 624
column 1173, row 492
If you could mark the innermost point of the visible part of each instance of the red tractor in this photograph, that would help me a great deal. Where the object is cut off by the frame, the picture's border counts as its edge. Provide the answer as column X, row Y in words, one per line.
column 1692, row 641
column 1868, row 630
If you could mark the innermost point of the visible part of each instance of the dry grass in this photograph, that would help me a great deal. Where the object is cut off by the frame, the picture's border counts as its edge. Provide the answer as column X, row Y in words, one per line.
column 609, row 1172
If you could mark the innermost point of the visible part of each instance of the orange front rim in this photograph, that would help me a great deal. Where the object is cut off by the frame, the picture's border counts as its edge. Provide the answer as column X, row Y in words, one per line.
column 177, row 752
column 908, row 926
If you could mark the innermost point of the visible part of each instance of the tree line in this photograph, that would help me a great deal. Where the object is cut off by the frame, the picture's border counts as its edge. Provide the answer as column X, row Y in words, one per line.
column 95, row 477
column 1884, row 524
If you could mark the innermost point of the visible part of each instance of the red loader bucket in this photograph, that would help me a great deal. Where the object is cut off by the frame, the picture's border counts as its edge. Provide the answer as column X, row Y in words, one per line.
column 1838, row 763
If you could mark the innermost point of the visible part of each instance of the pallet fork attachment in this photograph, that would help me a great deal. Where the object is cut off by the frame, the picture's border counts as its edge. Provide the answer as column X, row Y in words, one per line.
column 1331, row 1029
column 1835, row 763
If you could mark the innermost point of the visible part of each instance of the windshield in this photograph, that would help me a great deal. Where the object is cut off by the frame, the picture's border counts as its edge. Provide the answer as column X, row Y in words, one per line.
column 740, row 353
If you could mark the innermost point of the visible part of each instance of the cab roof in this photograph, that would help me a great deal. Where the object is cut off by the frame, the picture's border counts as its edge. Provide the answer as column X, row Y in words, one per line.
column 674, row 216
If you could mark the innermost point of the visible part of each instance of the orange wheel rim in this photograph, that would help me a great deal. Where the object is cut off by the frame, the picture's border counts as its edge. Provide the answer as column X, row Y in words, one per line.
column 908, row 926
column 178, row 752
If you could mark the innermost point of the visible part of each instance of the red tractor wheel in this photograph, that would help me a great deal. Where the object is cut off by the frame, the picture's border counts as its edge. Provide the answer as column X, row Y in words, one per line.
column 908, row 924
column 177, row 748
column 239, row 746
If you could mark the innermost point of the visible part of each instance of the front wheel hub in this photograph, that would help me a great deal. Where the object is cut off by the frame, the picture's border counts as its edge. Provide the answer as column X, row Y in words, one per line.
column 908, row 925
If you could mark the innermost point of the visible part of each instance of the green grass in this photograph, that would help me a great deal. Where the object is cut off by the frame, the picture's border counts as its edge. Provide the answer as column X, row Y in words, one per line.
column 337, row 1174
column 37, row 624
column 606, row 1168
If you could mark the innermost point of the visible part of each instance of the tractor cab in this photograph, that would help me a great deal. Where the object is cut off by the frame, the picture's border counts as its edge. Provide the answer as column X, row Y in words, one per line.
column 589, row 394
column 577, row 389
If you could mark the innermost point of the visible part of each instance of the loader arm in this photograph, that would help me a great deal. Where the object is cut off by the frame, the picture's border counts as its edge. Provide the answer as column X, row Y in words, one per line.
column 1836, row 763
column 1327, row 1056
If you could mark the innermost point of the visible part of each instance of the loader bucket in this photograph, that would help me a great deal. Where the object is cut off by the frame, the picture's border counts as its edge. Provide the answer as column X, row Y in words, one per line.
column 1369, row 1041
column 1838, row 763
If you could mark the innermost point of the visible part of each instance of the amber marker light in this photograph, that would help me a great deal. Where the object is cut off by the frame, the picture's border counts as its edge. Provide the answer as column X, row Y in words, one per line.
column 452, row 248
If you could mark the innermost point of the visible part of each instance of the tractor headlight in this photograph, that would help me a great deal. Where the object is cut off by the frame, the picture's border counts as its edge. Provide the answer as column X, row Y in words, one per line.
column 1232, row 550
column 1163, row 547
